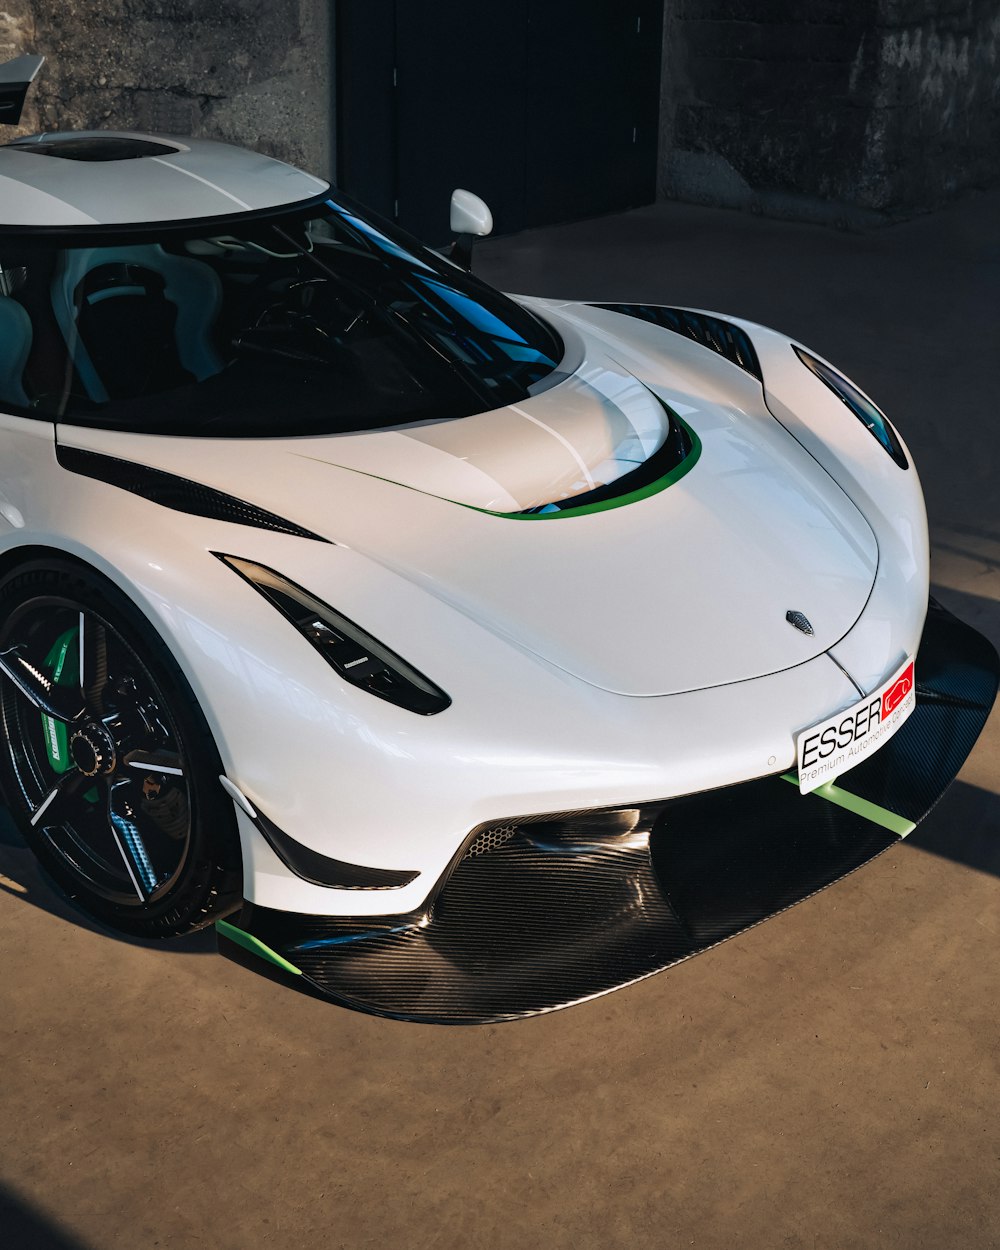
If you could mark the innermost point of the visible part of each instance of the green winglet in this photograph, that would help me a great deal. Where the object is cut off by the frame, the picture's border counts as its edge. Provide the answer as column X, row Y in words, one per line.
column 255, row 946
column 898, row 825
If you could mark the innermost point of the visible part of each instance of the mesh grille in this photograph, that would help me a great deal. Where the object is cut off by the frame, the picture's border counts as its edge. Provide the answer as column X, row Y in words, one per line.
column 489, row 839
column 177, row 493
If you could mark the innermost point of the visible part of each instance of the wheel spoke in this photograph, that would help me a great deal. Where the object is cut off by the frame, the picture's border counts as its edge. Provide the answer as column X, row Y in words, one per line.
column 125, row 831
column 60, row 702
column 168, row 762
column 54, row 801
column 93, row 664
column 100, row 772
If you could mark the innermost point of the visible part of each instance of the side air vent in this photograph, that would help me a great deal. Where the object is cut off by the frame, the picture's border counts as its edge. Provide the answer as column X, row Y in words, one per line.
column 712, row 332
column 175, row 492
column 95, row 148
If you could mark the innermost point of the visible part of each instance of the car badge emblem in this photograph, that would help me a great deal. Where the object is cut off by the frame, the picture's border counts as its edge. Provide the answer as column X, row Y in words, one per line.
column 800, row 621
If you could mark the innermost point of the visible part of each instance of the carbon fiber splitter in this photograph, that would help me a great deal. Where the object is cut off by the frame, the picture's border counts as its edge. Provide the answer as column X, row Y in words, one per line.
column 541, row 912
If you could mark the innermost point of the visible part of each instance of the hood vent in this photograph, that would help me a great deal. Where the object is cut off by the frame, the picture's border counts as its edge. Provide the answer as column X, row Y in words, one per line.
column 94, row 148
column 677, row 456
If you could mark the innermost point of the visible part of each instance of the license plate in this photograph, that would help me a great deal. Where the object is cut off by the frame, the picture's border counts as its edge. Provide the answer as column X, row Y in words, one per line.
column 830, row 748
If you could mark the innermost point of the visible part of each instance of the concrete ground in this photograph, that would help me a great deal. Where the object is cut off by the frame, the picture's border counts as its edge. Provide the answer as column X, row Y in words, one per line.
column 830, row 1079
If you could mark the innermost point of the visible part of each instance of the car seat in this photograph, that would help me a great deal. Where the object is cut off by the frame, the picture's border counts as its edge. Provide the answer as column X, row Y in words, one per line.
column 15, row 347
column 136, row 319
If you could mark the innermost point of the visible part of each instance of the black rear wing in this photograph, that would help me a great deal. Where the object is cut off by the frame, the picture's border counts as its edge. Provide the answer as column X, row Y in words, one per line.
column 15, row 78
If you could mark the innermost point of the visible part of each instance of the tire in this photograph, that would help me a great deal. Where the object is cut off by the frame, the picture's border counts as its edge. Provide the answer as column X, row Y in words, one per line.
column 107, row 763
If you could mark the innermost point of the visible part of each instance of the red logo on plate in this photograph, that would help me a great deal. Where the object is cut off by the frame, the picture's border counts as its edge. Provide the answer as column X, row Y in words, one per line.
column 897, row 692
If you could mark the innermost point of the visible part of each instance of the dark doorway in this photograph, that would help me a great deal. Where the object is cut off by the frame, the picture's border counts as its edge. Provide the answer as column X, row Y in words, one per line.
column 548, row 109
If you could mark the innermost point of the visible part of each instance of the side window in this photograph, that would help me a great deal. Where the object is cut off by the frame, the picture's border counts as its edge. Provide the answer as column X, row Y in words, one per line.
column 137, row 320
column 16, row 337
column 81, row 327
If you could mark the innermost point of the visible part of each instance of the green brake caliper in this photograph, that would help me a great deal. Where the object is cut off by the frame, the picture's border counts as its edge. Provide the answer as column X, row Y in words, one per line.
column 63, row 662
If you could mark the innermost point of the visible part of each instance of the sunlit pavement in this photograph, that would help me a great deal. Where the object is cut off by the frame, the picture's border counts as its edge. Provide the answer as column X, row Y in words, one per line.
column 830, row 1079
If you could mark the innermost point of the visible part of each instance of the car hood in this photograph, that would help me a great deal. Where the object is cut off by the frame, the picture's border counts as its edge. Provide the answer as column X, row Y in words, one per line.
column 680, row 589
column 591, row 428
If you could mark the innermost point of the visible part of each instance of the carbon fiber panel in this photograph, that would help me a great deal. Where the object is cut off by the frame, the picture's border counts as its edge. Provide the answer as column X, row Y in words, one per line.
column 170, row 491
column 572, row 905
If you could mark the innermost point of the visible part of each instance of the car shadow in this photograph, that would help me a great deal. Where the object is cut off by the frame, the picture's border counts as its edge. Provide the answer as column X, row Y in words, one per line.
column 964, row 827
column 982, row 612
column 22, row 878
column 24, row 1228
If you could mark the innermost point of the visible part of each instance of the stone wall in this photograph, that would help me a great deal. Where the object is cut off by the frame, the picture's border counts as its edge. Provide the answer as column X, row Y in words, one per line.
column 252, row 72
column 824, row 108
column 935, row 122
column 880, row 105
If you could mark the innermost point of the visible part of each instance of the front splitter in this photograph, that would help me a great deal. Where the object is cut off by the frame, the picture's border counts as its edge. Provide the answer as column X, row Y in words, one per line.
column 545, row 911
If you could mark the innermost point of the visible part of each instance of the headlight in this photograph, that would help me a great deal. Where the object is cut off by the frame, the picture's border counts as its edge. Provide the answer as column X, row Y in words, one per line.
column 356, row 656
column 876, row 422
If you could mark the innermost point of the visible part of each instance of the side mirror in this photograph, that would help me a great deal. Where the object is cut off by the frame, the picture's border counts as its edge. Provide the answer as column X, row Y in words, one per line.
column 470, row 219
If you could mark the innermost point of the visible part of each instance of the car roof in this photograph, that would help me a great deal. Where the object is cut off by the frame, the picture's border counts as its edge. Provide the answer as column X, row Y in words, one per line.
column 99, row 177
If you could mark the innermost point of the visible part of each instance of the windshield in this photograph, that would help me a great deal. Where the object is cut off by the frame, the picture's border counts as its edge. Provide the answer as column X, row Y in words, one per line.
column 318, row 320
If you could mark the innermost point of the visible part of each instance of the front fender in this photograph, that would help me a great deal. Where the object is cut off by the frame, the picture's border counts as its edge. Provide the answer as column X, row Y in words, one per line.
column 889, row 497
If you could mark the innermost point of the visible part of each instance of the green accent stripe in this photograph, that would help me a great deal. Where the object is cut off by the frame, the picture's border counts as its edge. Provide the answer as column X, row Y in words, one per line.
column 620, row 501
column 898, row 825
column 644, row 492
column 255, row 946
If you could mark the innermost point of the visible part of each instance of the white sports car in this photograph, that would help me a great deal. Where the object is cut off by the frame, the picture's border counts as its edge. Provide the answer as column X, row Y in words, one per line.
column 459, row 656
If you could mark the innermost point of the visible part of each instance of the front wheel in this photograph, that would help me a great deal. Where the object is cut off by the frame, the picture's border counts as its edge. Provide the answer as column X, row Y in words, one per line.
column 107, row 762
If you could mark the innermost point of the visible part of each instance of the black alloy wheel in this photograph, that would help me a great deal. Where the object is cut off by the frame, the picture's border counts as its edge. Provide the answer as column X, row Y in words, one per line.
column 107, row 763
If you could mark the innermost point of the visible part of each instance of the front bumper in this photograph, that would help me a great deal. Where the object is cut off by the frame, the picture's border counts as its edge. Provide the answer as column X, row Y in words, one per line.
column 544, row 911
